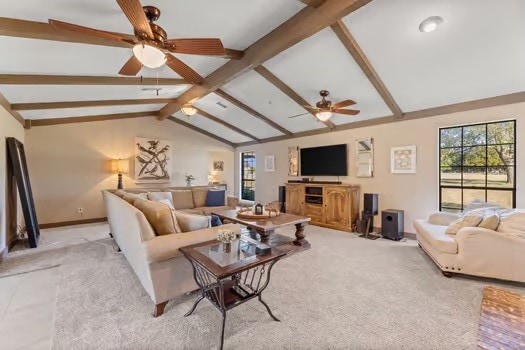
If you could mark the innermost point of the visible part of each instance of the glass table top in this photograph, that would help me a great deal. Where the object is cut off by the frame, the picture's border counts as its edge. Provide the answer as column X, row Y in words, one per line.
column 224, row 254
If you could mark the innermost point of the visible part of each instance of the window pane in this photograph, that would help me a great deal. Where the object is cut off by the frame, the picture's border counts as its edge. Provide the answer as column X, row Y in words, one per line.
column 474, row 156
column 451, row 198
column 503, row 198
column 500, row 132
column 472, row 195
column 450, row 157
column 500, row 177
column 450, row 137
column 450, row 176
column 500, row 155
column 474, row 135
column 474, row 176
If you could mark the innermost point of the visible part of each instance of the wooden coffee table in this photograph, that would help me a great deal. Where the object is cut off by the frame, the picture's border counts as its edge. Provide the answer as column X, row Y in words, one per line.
column 231, row 274
column 266, row 227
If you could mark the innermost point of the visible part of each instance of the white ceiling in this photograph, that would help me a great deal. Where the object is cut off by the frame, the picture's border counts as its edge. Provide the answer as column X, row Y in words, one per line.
column 85, row 111
column 477, row 52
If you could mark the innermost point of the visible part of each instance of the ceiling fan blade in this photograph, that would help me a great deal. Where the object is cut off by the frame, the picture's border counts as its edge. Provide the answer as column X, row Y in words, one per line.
column 346, row 111
column 196, row 46
column 344, row 103
column 183, row 69
column 135, row 14
column 88, row 31
column 131, row 67
column 311, row 109
column 298, row 115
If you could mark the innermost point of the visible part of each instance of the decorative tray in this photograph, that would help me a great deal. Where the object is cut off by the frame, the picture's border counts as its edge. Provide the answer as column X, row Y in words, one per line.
column 248, row 213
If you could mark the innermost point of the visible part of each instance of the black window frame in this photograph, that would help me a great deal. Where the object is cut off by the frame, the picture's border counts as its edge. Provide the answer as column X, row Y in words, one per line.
column 486, row 188
column 247, row 192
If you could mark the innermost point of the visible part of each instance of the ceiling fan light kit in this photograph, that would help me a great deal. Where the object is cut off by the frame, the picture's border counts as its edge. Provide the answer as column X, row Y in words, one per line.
column 323, row 115
column 149, row 56
column 324, row 110
column 188, row 110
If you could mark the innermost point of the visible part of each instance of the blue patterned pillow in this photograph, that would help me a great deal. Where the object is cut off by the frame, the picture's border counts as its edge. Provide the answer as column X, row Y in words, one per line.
column 215, row 198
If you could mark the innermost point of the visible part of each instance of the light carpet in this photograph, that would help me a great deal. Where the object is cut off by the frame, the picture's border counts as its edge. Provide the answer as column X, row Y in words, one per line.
column 344, row 293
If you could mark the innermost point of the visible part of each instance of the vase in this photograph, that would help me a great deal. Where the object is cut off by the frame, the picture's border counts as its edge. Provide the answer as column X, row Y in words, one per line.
column 227, row 247
column 188, row 183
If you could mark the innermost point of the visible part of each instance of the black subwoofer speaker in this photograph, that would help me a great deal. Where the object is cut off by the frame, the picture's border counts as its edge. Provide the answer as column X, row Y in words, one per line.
column 393, row 224
column 371, row 204
column 282, row 198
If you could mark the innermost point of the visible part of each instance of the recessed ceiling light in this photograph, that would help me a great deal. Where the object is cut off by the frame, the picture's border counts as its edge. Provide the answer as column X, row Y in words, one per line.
column 430, row 24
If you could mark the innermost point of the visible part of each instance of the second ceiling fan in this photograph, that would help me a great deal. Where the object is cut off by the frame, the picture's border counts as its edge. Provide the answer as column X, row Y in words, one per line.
column 151, row 47
column 324, row 109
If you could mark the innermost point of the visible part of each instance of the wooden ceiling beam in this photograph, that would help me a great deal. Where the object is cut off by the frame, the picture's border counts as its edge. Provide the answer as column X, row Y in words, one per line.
column 302, row 25
column 278, row 83
column 251, row 111
column 9, row 108
column 90, row 118
column 518, row 97
column 79, row 104
column 342, row 32
column 223, row 123
column 44, row 31
column 202, row 131
column 32, row 79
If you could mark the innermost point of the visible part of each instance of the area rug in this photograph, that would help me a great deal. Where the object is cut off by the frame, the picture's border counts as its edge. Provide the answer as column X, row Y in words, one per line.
column 502, row 321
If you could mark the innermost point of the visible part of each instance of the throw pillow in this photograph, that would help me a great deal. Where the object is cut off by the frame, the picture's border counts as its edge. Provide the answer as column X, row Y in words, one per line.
column 490, row 222
column 157, row 196
column 132, row 197
column 167, row 202
column 182, row 199
column 215, row 198
column 190, row 222
column 199, row 197
column 160, row 216
column 512, row 222
column 469, row 220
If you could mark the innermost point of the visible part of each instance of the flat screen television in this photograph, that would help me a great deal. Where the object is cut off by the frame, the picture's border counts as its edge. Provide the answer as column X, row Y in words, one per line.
column 324, row 161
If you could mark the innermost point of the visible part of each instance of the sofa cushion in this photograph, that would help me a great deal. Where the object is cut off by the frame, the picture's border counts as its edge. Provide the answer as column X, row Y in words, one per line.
column 161, row 217
column 512, row 222
column 182, row 199
column 119, row 193
column 436, row 236
column 199, row 197
column 194, row 211
column 215, row 198
column 471, row 219
column 210, row 210
column 131, row 197
column 490, row 222
column 158, row 196
column 190, row 222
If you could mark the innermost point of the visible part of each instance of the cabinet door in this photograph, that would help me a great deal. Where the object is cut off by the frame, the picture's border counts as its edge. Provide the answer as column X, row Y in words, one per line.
column 295, row 200
column 336, row 206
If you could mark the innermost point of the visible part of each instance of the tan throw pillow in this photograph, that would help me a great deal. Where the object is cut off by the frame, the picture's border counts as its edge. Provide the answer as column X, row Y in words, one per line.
column 158, row 196
column 471, row 219
column 512, row 222
column 490, row 222
column 119, row 193
column 190, row 222
column 199, row 197
column 182, row 199
column 161, row 217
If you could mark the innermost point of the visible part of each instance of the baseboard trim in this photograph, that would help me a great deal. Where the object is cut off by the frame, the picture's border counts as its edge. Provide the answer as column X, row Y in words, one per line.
column 72, row 223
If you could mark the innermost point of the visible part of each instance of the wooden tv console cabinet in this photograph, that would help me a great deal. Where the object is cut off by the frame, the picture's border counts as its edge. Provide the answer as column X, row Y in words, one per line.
column 328, row 205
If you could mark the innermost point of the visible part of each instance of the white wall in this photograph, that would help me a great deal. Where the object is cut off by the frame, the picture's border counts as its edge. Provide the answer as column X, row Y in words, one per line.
column 418, row 193
column 69, row 164
column 9, row 127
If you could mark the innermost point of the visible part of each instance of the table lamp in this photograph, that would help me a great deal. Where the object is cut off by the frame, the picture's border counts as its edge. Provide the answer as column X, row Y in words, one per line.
column 120, row 167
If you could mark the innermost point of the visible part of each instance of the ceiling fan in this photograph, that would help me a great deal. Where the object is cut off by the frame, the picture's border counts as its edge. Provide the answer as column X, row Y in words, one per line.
column 151, row 47
column 324, row 109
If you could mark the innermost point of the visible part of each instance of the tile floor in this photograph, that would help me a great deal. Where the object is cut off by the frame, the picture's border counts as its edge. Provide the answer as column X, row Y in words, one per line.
column 28, row 300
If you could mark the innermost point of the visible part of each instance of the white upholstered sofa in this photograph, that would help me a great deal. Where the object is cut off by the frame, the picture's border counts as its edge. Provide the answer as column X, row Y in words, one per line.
column 156, row 260
column 473, row 250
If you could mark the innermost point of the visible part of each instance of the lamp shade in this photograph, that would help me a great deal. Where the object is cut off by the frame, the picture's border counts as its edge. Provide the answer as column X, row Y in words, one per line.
column 148, row 55
column 323, row 115
column 188, row 110
column 120, row 166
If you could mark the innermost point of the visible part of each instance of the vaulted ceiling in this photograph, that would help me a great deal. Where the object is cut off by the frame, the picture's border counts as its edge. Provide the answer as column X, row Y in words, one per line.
column 373, row 53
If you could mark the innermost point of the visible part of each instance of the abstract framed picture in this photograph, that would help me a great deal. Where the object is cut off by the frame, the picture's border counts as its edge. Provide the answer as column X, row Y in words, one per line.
column 218, row 165
column 269, row 163
column 293, row 161
column 152, row 160
column 403, row 160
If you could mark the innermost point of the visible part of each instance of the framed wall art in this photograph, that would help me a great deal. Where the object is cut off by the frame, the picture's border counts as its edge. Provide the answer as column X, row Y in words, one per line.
column 152, row 160
column 403, row 160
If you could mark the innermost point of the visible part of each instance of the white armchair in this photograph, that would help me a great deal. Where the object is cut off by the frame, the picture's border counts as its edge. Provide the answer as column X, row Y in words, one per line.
column 473, row 250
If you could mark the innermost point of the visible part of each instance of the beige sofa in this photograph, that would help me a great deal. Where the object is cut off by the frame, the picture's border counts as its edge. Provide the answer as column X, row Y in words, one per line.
column 473, row 250
column 159, row 265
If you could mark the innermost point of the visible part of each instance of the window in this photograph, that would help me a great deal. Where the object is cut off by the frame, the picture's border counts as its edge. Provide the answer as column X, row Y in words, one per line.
column 477, row 162
column 248, row 176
